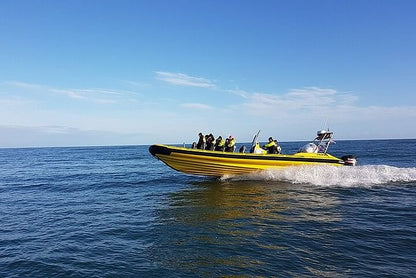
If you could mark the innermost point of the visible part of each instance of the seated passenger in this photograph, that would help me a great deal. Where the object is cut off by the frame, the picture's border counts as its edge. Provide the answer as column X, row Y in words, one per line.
column 209, row 142
column 219, row 144
column 276, row 149
column 230, row 144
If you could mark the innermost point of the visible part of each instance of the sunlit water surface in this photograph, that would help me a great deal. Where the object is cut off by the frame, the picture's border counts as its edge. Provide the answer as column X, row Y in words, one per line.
column 118, row 212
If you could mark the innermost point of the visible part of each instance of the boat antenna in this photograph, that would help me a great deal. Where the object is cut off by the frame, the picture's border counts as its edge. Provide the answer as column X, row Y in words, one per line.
column 326, row 124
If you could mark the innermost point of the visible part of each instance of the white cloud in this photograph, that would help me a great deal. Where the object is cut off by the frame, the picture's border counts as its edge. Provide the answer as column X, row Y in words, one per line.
column 22, row 136
column 56, row 129
column 95, row 95
column 181, row 79
column 292, row 115
column 24, row 85
column 312, row 96
column 138, row 84
column 301, row 110
column 239, row 92
column 70, row 93
column 296, row 100
column 197, row 106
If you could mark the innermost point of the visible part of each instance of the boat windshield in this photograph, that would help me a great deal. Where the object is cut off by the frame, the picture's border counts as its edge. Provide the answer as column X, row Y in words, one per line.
column 320, row 144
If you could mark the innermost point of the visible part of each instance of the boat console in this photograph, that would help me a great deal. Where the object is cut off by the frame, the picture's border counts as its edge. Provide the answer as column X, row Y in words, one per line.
column 321, row 144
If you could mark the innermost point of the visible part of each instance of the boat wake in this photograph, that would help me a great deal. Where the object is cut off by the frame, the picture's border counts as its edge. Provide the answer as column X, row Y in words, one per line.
column 368, row 175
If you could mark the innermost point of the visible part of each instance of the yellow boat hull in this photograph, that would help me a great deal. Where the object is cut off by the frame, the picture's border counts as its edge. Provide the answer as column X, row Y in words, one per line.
column 217, row 164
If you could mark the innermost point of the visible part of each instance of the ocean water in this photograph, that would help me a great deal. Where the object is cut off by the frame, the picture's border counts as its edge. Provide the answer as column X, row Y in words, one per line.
column 119, row 212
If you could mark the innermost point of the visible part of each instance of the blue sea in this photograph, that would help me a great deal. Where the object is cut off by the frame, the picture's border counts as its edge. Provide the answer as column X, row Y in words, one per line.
column 119, row 212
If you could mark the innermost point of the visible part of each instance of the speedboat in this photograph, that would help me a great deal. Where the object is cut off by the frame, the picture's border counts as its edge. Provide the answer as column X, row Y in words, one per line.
column 218, row 163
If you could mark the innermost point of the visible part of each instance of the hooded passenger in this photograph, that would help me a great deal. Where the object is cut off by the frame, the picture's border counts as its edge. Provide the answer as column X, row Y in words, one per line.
column 230, row 144
column 201, row 142
column 219, row 144
column 210, row 141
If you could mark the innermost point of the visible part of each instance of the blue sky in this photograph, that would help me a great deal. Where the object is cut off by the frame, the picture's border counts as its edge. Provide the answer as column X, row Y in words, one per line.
column 143, row 72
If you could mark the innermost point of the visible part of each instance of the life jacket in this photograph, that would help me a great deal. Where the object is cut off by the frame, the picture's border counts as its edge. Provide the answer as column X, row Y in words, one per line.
column 231, row 143
column 271, row 144
column 221, row 143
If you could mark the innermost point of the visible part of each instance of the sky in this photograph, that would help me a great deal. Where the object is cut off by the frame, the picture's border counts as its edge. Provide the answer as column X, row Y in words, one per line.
column 80, row 73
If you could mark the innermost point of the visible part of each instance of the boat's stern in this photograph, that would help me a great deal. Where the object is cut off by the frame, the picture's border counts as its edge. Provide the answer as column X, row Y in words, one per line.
column 349, row 160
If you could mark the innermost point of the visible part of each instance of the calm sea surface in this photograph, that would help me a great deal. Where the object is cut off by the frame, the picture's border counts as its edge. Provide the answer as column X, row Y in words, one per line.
column 118, row 212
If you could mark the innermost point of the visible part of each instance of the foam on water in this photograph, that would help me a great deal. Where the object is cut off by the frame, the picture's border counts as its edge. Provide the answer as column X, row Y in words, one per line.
column 368, row 175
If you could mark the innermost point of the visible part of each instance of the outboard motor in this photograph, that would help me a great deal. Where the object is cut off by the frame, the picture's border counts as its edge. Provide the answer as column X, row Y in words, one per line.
column 349, row 160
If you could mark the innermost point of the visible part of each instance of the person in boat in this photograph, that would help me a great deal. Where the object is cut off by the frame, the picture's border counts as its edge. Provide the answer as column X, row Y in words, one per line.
column 270, row 147
column 277, row 149
column 219, row 144
column 210, row 141
column 230, row 144
column 257, row 149
column 201, row 142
